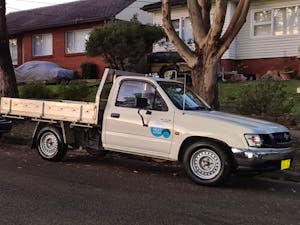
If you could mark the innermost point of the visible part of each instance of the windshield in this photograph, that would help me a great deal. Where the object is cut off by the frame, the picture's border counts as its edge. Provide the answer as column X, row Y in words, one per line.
column 175, row 92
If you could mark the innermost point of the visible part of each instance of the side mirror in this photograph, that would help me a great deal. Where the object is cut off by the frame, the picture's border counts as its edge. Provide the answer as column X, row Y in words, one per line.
column 141, row 103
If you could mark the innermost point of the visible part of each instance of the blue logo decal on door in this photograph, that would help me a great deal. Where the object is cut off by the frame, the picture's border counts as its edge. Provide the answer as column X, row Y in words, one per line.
column 159, row 131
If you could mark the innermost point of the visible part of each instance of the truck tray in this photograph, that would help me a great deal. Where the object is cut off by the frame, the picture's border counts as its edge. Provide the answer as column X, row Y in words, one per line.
column 71, row 111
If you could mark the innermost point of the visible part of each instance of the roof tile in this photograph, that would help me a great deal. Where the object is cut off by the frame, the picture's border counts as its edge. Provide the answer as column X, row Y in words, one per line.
column 78, row 12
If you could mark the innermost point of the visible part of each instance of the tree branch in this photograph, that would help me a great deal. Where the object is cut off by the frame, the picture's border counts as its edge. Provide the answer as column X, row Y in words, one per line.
column 218, row 22
column 184, row 51
column 195, row 12
column 234, row 19
column 206, row 9
column 225, row 41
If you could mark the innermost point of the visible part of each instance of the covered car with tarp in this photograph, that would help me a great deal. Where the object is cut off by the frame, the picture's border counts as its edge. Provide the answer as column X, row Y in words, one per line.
column 42, row 71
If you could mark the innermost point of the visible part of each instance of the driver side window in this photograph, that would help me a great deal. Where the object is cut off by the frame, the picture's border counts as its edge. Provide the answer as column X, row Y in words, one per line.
column 131, row 90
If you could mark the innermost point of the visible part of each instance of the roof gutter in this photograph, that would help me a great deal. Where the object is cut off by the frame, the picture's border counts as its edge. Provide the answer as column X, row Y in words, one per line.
column 157, row 6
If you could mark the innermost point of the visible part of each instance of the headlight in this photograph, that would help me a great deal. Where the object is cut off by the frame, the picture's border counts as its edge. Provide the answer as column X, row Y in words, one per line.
column 254, row 140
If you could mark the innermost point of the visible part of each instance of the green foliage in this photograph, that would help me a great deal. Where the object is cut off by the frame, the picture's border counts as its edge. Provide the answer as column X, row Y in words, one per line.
column 264, row 98
column 89, row 70
column 75, row 92
column 36, row 91
column 123, row 44
column 106, row 90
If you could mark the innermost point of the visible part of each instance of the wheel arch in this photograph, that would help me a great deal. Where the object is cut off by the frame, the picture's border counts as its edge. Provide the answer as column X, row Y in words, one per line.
column 192, row 139
column 41, row 127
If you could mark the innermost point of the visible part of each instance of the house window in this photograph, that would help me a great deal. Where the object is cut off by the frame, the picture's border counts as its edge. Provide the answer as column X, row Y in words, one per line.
column 287, row 21
column 42, row 45
column 263, row 23
column 75, row 41
column 277, row 22
column 13, row 47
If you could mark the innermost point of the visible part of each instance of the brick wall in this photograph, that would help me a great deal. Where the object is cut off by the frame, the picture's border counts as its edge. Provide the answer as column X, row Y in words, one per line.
column 69, row 61
column 261, row 66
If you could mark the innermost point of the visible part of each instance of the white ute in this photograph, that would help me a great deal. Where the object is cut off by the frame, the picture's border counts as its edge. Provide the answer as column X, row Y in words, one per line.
column 157, row 118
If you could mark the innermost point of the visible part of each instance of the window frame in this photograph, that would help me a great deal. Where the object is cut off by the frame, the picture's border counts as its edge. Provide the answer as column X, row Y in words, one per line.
column 253, row 23
column 33, row 45
column 156, row 92
column 66, row 40
column 272, row 9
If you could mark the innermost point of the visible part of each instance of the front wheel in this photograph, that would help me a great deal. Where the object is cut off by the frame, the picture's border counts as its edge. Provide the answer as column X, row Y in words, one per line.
column 207, row 163
column 50, row 144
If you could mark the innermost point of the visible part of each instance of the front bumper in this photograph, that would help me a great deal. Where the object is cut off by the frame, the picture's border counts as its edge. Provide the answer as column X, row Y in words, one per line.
column 5, row 126
column 261, row 160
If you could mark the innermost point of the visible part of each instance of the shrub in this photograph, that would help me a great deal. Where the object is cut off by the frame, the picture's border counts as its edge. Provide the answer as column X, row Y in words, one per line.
column 89, row 70
column 264, row 98
column 75, row 92
column 36, row 91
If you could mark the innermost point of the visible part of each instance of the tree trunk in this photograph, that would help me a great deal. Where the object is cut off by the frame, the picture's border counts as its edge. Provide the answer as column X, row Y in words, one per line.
column 205, row 81
column 8, row 85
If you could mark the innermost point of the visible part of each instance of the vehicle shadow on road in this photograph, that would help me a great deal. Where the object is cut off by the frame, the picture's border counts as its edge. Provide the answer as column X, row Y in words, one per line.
column 171, row 170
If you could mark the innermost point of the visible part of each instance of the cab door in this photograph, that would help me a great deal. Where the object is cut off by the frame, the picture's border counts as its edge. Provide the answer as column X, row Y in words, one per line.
column 147, row 131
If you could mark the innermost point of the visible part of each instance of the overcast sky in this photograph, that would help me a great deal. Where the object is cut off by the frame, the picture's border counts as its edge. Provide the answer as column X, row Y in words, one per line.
column 17, row 5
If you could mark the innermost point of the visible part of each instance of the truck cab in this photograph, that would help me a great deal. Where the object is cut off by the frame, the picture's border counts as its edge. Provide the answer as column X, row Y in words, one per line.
column 176, row 124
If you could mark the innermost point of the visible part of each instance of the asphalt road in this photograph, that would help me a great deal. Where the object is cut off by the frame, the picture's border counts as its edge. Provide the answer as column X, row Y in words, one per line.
column 119, row 190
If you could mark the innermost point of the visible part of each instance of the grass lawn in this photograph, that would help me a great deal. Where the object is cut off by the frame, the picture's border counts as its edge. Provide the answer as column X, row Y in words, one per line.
column 227, row 94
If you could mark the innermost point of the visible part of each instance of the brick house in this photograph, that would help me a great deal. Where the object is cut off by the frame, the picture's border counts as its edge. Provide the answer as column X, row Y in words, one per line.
column 58, row 33
column 269, row 40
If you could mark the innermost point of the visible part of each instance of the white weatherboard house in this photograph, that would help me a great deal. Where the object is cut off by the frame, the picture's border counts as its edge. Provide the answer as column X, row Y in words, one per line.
column 269, row 40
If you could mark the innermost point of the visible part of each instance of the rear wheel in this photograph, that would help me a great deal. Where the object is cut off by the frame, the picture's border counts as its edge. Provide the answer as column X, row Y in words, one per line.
column 50, row 144
column 206, row 163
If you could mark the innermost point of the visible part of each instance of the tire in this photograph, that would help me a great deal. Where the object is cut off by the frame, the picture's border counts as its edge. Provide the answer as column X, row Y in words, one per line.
column 50, row 144
column 206, row 163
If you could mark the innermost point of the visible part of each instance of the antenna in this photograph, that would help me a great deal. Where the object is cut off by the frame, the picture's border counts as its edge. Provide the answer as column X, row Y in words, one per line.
column 184, row 91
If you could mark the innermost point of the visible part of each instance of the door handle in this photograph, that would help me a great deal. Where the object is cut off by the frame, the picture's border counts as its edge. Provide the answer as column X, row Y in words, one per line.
column 115, row 115
column 148, row 112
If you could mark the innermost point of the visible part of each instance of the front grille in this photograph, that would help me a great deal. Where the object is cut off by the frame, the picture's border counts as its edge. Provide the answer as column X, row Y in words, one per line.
column 282, row 137
column 277, row 140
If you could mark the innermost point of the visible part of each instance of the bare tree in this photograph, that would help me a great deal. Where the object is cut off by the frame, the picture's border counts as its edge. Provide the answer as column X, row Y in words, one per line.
column 8, row 85
column 210, row 42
